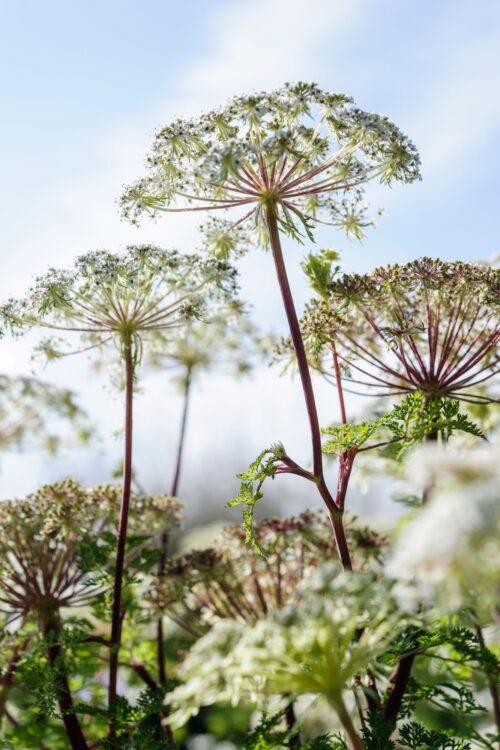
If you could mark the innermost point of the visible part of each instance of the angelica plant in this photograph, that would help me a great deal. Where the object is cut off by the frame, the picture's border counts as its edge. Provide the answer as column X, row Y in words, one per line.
column 121, row 301
column 54, row 548
column 427, row 330
column 286, row 160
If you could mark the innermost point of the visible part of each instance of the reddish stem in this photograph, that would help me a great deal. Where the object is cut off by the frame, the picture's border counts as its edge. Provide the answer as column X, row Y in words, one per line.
column 338, row 380
column 334, row 511
column 160, row 635
column 52, row 630
column 117, row 610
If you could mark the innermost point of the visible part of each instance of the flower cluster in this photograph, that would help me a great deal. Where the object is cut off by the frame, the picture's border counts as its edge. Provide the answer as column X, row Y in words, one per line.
column 230, row 581
column 43, row 540
column 291, row 147
column 428, row 325
column 339, row 626
column 122, row 298
column 459, row 568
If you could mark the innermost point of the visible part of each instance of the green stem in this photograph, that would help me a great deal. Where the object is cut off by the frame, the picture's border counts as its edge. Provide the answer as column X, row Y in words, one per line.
column 354, row 739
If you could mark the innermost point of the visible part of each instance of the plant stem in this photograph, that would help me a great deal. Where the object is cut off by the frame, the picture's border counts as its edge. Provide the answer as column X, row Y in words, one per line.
column 399, row 681
column 492, row 684
column 117, row 611
column 354, row 739
column 291, row 722
column 338, row 381
column 334, row 511
column 401, row 675
column 51, row 626
column 160, row 636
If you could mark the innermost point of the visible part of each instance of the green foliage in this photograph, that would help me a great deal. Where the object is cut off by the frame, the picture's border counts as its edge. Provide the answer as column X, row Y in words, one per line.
column 268, row 734
column 409, row 423
column 415, row 737
column 262, row 468
column 320, row 270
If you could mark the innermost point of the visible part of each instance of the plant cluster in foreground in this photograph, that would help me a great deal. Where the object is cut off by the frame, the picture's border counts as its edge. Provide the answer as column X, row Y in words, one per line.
column 310, row 631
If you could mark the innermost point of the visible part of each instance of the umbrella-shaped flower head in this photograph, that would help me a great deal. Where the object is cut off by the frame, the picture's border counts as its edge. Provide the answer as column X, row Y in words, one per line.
column 124, row 298
column 428, row 325
column 305, row 151
column 44, row 537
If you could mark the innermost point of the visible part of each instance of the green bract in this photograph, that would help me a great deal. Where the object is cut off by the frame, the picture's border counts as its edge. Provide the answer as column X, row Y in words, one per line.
column 122, row 298
column 304, row 150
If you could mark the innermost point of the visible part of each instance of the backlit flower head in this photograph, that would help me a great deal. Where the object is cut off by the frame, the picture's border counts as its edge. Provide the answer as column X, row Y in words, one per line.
column 305, row 150
column 427, row 325
column 122, row 298
column 42, row 541
column 227, row 340
column 338, row 627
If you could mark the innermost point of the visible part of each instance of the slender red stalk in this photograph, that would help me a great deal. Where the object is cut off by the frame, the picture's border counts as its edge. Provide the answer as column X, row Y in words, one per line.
column 51, row 627
column 117, row 611
column 334, row 511
column 160, row 636
column 338, row 380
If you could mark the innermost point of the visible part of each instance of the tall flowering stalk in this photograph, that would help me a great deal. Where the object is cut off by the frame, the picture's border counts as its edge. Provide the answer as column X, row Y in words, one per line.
column 121, row 300
column 287, row 159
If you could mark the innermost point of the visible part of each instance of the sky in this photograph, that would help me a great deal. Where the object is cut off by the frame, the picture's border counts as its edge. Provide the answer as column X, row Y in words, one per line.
column 83, row 87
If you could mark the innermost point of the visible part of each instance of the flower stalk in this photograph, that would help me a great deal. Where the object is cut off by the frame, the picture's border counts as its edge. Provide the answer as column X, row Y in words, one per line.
column 117, row 606
column 51, row 629
column 335, row 510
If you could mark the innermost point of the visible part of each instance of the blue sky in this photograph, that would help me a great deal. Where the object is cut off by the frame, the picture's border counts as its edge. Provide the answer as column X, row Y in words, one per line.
column 84, row 84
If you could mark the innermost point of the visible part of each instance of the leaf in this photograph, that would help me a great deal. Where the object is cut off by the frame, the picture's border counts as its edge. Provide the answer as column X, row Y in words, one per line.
column 263, row 467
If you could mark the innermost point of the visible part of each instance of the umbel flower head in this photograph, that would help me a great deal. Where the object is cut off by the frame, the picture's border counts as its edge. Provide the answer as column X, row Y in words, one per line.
column 32, row 411
column 230, row 581
column 339, row 626
column 428, row 325
column 295, row 147
column 42, row 540
column 122, row 298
